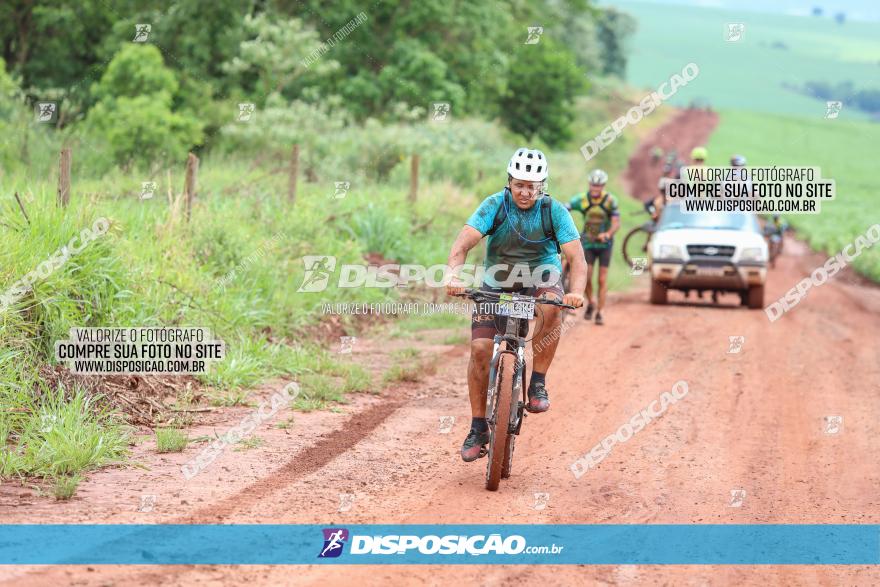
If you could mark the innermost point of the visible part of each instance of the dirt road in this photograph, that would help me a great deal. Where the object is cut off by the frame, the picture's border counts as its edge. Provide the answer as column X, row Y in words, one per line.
column 753, row 421
column 687, row 129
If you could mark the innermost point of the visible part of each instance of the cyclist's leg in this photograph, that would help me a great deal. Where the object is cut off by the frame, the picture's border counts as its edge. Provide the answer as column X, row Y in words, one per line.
column 548, row 323
column 484, row 326
column 590, row 256
column 604, row 262
column 548, row 328
column 478, row 375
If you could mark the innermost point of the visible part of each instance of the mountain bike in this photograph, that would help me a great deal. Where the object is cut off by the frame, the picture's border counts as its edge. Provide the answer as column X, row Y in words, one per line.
column 506, row 397
column 635, row 244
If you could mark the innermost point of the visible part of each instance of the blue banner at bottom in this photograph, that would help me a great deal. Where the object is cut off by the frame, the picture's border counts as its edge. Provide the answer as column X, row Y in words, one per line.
column 565, row 544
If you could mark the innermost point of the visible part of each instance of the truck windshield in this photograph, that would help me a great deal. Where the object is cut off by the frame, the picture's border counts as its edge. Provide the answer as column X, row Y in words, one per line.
column 673, row 218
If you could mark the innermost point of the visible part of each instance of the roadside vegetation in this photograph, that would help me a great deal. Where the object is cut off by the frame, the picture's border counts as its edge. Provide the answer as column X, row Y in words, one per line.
column 131, row 112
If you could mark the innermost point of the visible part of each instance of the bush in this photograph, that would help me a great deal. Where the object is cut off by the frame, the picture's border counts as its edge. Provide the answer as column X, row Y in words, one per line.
column 133, row 115
column 541, row 88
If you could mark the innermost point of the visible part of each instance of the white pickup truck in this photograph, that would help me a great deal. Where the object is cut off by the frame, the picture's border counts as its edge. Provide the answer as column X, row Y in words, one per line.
column 708, row 251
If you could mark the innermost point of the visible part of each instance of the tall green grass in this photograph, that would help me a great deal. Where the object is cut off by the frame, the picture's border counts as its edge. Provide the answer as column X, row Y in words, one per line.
column 62, row 434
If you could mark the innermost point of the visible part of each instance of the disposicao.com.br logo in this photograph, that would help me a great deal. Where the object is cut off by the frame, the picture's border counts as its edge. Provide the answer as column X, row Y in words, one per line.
column 320, row 268
column 480, row 544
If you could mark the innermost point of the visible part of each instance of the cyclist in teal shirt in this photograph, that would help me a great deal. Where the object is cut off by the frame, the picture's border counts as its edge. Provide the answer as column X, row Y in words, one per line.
column 527, row 231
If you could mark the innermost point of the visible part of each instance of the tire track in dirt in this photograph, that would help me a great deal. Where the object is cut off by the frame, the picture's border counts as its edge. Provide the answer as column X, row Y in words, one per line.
column 303, row 463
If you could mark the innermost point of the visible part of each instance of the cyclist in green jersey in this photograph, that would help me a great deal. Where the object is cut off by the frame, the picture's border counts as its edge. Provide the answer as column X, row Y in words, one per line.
column 601, row 221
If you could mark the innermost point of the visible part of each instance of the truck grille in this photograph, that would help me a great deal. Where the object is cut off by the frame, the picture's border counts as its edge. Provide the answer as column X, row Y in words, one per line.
column 712, row 251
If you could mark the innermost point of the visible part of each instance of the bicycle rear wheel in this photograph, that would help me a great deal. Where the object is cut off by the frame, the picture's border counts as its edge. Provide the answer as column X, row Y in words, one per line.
column 500, row 414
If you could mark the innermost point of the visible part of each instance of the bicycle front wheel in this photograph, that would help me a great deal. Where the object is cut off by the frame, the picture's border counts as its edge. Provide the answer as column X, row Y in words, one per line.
column 501, row 415
column 635, row 244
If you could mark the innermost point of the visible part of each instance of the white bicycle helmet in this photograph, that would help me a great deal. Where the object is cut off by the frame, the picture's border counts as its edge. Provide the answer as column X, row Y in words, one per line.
column 598, row 177
column 528, row 165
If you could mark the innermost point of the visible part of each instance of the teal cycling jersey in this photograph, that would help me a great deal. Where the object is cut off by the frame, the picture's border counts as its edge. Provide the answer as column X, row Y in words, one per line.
column 520, row 240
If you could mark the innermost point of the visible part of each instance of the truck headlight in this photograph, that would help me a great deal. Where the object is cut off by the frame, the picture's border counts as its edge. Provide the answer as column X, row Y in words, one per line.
column 752, row 254
column 670, row 252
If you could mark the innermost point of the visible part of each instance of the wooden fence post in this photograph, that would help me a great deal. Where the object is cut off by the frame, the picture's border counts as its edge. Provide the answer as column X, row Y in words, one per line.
column 414, row 178
column 189, row 186
column 64, row 178
column 294, row 173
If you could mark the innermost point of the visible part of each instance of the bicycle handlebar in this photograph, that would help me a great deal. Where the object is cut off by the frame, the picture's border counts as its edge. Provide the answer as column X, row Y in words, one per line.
column 479, row 295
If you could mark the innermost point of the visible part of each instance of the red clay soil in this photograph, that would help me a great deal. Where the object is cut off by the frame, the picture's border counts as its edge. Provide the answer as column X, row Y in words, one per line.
column 752, row 421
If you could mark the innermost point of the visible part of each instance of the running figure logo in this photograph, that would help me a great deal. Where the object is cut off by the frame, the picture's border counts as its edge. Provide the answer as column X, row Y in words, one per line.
column 737, row 497
column 639, row 264
column 142, row 32
column 245, row 111
column 148, row 188
column 832, row 424
column 736, row 344
column 441, row 111
column 334, row 540
column 735, row 31
column 833, row 108
column 318, row 270
column 46, row 111
column 534, row 37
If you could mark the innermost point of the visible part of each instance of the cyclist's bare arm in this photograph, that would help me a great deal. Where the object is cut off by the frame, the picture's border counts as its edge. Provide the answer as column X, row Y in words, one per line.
column 464, row 242
column 573, row 253
column 615, row 226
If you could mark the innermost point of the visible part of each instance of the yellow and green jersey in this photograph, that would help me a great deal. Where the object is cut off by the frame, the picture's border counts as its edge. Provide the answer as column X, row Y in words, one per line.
column 598, row 213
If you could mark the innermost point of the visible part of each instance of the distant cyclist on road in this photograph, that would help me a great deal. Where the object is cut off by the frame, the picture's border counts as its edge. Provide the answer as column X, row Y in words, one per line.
column 601, row 221
column 516, row 219
column 775, row 231
column 737, row 162
column 699, row 156
column 656, row 154
column 671, row 172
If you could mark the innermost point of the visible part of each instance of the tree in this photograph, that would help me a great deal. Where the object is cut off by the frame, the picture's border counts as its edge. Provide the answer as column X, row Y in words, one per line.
column 461, row 45
column 277, row 55
column 133, row 113
column 615, row 28
column 542, row 83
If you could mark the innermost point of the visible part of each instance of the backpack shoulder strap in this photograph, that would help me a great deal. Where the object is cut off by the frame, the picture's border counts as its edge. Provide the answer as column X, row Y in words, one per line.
column 601, row 203
column 547, row 221
column 500, row 215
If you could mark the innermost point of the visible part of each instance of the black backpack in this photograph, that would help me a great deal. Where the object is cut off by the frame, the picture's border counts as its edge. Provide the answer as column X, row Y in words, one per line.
column 546, row 217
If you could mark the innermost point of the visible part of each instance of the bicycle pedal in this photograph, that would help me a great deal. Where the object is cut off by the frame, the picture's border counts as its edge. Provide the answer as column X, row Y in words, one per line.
column 483, row 451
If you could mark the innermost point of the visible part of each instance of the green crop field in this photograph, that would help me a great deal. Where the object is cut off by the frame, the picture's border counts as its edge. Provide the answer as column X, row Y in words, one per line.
column 837, row 146
column 751, row 74
column 749, row 81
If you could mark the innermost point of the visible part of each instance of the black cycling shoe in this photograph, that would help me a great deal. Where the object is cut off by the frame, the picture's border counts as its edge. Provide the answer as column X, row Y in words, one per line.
column 588, row 313
column 474, row 445
column 599, row 320
column 538, row 399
